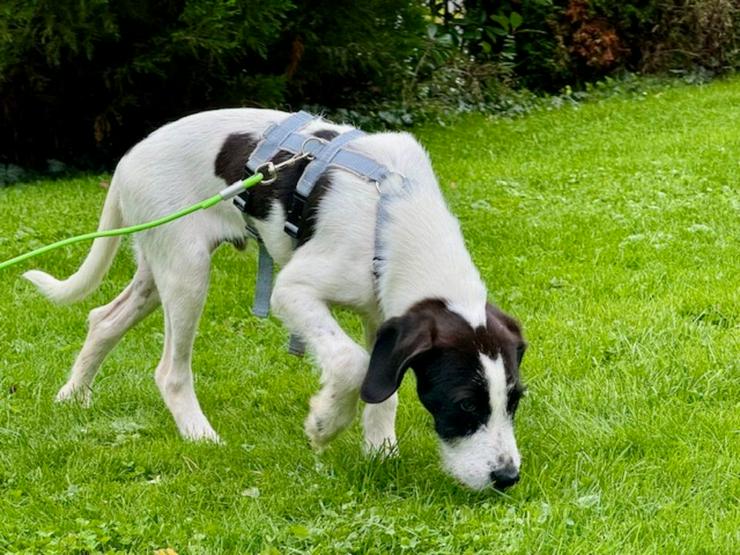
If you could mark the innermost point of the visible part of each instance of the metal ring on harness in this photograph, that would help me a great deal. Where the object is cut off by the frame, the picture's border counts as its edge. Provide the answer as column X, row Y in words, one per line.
column 308, row 140
column 268, row 170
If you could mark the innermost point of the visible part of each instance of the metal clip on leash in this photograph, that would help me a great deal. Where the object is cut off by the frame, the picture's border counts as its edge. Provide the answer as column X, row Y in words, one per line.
column 270, row 171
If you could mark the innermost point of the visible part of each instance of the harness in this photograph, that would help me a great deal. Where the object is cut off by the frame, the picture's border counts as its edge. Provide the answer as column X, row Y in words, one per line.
column 287, row 136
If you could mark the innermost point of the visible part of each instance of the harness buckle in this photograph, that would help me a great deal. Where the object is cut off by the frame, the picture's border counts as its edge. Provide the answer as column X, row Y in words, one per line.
column 293, row 221
column 241, row 201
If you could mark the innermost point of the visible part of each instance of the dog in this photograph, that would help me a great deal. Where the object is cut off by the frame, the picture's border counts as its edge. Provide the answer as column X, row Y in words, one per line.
column 425, row 309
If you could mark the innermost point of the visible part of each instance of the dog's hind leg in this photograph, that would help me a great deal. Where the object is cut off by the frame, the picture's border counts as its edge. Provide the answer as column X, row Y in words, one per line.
column 343, row 363
column 107, row 324
column 182, row 281
column 379, row 420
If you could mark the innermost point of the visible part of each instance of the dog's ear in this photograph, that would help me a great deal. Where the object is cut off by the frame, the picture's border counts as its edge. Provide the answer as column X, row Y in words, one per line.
column 494, row 314
column 520, row 350
column 399, row 341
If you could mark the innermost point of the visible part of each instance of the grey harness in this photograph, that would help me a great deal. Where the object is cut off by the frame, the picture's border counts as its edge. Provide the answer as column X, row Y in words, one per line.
column 287, row 136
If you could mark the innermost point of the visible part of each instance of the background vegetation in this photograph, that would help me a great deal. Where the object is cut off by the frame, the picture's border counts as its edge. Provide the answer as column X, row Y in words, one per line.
column 609, row 229
column 80, row 81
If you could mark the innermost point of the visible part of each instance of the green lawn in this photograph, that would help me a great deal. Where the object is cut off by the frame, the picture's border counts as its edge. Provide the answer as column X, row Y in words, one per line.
column 610, row 230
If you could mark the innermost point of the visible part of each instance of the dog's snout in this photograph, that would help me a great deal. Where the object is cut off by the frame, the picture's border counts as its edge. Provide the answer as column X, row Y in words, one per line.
column 504, row 477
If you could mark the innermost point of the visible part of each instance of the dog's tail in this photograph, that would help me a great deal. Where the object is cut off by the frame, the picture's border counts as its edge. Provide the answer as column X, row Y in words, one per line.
column 88, row 277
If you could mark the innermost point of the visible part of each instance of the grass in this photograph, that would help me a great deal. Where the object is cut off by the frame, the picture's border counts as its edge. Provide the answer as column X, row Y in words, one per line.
column 611, row 230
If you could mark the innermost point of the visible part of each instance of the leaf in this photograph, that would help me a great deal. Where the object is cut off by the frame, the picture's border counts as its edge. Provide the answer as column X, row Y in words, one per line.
column 300, row 531
column 515, row 19
column 471, row 34
column 446, row 40
column 502, row 20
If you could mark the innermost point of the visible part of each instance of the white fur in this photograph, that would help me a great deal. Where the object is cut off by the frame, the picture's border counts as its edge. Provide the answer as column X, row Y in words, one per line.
column 423, row 248
column 472, row 458
column 85, row 280
column 424, row 256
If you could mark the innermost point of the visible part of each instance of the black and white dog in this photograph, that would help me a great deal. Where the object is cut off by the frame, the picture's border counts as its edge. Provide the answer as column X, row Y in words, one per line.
column 427, row 310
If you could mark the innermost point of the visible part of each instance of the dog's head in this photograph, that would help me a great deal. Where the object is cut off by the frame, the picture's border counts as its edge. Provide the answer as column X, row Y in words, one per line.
column 467, row 378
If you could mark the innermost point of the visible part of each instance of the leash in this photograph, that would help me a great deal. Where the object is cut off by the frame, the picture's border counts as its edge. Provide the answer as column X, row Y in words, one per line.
column 267, row 174
column 284, row 136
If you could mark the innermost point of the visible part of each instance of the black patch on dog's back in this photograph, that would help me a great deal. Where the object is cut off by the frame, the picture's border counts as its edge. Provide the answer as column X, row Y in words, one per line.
column 229, row 166
column 234, row 153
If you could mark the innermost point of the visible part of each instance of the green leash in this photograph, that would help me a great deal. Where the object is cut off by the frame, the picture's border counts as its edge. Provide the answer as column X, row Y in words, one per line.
column 225, row 194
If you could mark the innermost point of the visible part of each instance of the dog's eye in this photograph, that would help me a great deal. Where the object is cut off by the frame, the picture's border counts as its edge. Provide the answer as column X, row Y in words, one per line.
column 467, row 405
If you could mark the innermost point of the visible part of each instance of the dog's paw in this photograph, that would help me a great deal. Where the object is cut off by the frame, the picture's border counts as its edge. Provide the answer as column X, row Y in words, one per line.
column 202, row 433
column 329, row 415
column 72, row 392
column 384, row 449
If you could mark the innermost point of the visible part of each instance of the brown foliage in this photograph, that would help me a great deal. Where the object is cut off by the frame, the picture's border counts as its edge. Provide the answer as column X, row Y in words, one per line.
column 593, row 39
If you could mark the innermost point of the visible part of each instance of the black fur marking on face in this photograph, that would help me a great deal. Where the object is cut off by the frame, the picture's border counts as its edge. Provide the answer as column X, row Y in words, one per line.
column 514, row 394
column 451, row 387
column 444, row 351
column 498, row 321
column 229, row 166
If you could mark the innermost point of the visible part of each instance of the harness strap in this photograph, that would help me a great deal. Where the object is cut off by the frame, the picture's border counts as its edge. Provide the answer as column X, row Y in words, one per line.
column 263, row 287
column 263, row 291
column 310, row 176
column 360, row 165
column 296, row 346
column 274, row 137
column 286, row 136
column 357, row 163
column 271, row 144
column 323, row 159
column 382, row 218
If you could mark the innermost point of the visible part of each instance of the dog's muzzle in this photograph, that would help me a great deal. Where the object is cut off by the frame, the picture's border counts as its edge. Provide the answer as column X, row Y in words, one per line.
column 504, row 477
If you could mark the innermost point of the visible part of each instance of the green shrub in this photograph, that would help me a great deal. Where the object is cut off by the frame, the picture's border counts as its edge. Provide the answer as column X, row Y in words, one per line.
column 81, row 81
column 686, row 33
column 547, row 44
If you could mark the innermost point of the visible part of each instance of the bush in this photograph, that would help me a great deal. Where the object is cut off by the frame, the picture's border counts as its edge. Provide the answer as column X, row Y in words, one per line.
column 693, row 33
column 82, row 81
column 549, row 43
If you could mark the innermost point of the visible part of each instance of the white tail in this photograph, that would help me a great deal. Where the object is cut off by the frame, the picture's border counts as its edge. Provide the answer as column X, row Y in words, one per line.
column 88, row 277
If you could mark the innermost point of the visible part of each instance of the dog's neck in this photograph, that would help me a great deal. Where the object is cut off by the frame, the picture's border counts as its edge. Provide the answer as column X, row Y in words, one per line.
column 424, row 256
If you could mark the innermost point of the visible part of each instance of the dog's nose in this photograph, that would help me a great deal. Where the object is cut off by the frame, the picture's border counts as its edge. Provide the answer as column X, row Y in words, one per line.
column 504, row 477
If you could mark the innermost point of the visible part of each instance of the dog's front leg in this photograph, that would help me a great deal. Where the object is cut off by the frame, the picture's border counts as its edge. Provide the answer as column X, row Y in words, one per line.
column 342, row 362
column 379, row 420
